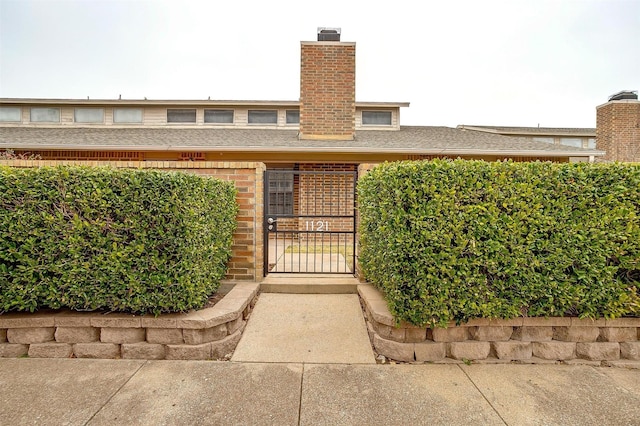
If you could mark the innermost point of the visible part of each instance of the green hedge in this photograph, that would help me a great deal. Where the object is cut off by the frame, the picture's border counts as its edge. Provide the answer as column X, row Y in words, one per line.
column 115, row 239
column 455, row 240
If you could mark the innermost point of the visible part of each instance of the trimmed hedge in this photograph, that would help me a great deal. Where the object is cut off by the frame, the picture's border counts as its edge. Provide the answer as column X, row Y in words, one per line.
column 115, row 239
column 455, row 240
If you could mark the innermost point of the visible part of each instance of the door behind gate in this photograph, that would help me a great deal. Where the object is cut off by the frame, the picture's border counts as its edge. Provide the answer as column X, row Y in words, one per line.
column 310, row 221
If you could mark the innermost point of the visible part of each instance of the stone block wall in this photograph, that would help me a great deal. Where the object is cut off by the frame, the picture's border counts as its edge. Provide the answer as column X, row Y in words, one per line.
column 210, row 333
column 531, row 340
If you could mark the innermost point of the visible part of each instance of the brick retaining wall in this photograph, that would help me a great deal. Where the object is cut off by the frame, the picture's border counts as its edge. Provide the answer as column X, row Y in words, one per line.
column 210, row 333
column 530, row 340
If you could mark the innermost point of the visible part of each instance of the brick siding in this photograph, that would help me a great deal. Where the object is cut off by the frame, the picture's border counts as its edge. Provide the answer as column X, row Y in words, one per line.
column 618, row 130
column 327, row 90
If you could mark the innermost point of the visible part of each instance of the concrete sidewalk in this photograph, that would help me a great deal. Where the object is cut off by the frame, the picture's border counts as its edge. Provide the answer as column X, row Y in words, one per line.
column 114, row 392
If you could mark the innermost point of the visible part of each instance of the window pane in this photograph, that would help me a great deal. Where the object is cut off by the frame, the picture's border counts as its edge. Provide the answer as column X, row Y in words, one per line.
column 89, row 115
column 577, row 142
column 293, row 117
column 10, row 114
column 380, row 118
column 591, row 143
column 181, row 116
column 218, row 116
column 45, row 115
column 263, row 116
column 127, row 115
column 280, row 193
column 546, row 140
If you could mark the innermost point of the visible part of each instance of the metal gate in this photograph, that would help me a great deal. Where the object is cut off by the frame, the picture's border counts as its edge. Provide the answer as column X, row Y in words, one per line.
column 310, row 221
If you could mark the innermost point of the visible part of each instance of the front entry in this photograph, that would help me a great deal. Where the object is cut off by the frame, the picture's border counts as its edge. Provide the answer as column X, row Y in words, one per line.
column 310, row 221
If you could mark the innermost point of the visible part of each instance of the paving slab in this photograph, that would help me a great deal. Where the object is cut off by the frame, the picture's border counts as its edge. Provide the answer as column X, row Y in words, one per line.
column 309, row 328
column 59, row 391
column 559, row 394
column 206, row 393
column 392, row 395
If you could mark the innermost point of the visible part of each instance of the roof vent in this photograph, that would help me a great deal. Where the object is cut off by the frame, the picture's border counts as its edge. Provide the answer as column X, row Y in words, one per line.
column 328, row 34
column 625, row 94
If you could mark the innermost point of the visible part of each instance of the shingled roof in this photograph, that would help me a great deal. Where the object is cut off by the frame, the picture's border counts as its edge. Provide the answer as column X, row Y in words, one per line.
column 425, row 140
column 534, row 131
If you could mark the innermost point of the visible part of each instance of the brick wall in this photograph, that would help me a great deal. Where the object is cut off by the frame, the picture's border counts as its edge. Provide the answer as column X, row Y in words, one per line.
column 327, row 195
column 327, row 90
column 618, row 130
column 248, row 248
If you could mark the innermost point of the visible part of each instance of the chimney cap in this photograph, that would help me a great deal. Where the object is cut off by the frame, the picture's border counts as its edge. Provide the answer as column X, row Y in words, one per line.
column 624, row 94
column 329, row 34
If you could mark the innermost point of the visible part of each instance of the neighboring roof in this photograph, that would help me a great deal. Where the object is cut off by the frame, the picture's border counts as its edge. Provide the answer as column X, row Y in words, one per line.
column 415, row 140
column 534, row 131
column 174, row 103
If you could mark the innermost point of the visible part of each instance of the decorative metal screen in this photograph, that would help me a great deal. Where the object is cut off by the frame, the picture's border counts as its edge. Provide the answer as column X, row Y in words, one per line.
column 310, row 221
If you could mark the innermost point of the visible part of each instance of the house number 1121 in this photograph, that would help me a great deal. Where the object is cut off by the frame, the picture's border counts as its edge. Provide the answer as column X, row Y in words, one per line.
column 318, row 225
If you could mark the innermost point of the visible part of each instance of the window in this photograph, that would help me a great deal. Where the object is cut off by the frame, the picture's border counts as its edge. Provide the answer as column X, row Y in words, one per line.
column 88, row 115
column 546, row 140
column 127, row 115
column 263, row 116
column 577, row 142
column 45, row 115
column 219, row 116
column 591, row 143
column 376, row 118
column 293, row 116
column 280, row 193
column 181, row 116
column 10, row 114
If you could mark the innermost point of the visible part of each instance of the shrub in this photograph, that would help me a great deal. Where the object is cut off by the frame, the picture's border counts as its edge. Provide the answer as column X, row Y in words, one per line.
column 455, row 240
column 122, row 240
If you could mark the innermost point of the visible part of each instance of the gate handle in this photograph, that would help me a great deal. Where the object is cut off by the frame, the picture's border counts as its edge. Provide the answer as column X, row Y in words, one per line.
column 271, row 220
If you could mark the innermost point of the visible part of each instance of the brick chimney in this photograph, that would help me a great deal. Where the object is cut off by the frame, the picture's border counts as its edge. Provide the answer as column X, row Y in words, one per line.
column 328, row 87
column 618, row 127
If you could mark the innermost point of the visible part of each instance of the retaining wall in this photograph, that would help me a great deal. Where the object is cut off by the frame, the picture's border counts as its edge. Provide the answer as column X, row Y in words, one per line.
column 531, row 340
column 210, row 333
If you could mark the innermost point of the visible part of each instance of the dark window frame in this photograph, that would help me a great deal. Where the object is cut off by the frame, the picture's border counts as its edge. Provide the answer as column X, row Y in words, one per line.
column 370, row 117
column 183, row 112
column 210, row 113
column 281, row 193
column 295, row 113
column 262, row 113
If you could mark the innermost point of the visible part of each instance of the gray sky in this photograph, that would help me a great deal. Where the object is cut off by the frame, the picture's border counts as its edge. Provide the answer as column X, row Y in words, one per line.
column 492, row 62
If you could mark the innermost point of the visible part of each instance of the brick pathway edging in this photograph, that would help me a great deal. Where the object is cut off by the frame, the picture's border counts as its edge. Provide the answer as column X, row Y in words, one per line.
column 526, row 340
column 210, row 333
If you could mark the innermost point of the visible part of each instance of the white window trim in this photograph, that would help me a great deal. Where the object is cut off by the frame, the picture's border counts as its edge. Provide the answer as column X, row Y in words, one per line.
column 19, row 120
column 181, row 123
column 45, row 122
column 362, row 123
column 262, row 124
column 126, row 123
column 285, row 118
column 207, row 123
column 88, row 122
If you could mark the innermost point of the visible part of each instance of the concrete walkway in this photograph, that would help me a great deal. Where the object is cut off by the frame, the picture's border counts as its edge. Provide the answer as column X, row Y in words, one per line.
column 118, row 392
column 311, row 328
